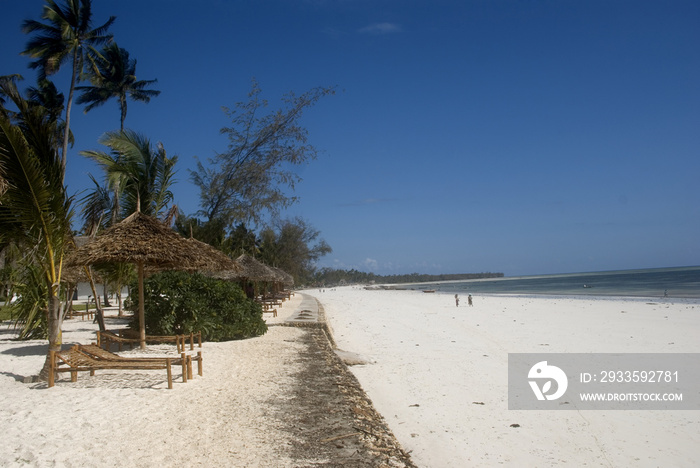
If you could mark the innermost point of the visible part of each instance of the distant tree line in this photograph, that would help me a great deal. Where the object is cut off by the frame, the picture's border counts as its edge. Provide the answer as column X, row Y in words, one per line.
column 331, row 277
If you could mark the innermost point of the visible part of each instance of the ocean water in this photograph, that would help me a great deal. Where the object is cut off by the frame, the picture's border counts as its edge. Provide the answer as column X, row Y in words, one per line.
column 682, row 282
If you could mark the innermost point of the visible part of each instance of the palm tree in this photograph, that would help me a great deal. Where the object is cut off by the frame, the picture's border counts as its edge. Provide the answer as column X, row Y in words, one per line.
column 67, row 35
column 115, row 77
column 138, row 173
column 35, row 210
column 138, row 178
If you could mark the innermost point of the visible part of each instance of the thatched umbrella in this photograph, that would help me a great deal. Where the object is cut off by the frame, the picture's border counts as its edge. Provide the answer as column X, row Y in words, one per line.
column 142, row 240
column 216, row 260
column 285, row 278
column 254, row 270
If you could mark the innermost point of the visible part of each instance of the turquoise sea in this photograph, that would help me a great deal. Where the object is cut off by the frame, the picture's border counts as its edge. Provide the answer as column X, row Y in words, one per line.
column 681, row 282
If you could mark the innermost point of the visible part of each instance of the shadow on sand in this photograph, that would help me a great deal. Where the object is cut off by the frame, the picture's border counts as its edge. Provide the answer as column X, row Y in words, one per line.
column 17, row 377
column 28, row 350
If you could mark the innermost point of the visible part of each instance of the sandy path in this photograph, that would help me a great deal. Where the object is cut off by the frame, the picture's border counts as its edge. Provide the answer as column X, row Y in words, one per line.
column 122, row 420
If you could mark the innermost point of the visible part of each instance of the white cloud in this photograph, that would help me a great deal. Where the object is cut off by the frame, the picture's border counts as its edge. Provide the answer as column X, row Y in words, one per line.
column 380, row 28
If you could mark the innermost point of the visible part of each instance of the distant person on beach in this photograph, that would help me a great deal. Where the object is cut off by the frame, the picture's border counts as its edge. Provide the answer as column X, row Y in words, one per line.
column 457, row 300
column 469, row 300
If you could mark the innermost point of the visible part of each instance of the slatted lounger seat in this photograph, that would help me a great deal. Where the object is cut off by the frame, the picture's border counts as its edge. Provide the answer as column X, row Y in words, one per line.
column 73, row 361
column 98, row 353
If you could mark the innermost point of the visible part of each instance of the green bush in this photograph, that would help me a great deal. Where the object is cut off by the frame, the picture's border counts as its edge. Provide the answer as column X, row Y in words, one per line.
column 180, row 303
column 5, row 311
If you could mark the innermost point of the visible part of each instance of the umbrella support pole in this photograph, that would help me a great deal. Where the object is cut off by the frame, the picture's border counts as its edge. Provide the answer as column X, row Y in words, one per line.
column 142, row 309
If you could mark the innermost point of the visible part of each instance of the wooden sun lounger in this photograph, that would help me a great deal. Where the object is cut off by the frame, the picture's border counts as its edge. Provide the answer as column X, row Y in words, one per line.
column 268, row 307
column 74, row 361
column 270, row 304
column 185, row 360
column 284, row 295
column 105, row 339
column 90, row 314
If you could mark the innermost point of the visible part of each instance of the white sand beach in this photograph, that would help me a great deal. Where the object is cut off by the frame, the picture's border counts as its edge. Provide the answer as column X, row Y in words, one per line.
column 438, row 374
column 432, row 365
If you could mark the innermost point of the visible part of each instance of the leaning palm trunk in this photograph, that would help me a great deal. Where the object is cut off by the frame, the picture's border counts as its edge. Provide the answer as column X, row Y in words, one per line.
column 119, row 302
column 98, row 308
column 105, row 294
column 69, row 105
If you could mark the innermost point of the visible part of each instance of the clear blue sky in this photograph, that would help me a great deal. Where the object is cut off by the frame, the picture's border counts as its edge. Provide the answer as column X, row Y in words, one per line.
column 526, row 137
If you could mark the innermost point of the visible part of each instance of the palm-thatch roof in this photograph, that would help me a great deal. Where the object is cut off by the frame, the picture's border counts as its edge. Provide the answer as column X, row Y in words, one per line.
column 216, row 260
column 76, row 274
column 254, row 270
column 139, row 239
column 284, row 277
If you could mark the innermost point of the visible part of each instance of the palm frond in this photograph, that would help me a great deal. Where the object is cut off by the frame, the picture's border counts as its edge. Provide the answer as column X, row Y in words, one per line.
column 113, row 75
column 96, row 208
column 35, row 209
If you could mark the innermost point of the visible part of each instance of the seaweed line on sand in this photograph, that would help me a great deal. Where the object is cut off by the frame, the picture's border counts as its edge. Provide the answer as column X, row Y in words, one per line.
column 330, row 419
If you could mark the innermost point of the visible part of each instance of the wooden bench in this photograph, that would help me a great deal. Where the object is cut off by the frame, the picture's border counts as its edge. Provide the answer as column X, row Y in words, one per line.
column 74, row 361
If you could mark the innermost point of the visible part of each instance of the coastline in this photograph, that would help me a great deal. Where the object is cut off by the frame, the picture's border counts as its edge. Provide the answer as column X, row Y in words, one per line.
column 667, row 283
column 438, row 374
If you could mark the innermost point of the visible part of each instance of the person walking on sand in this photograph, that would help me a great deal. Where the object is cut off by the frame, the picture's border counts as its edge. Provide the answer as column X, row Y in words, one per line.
column 469, row 300
column 457, row 300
